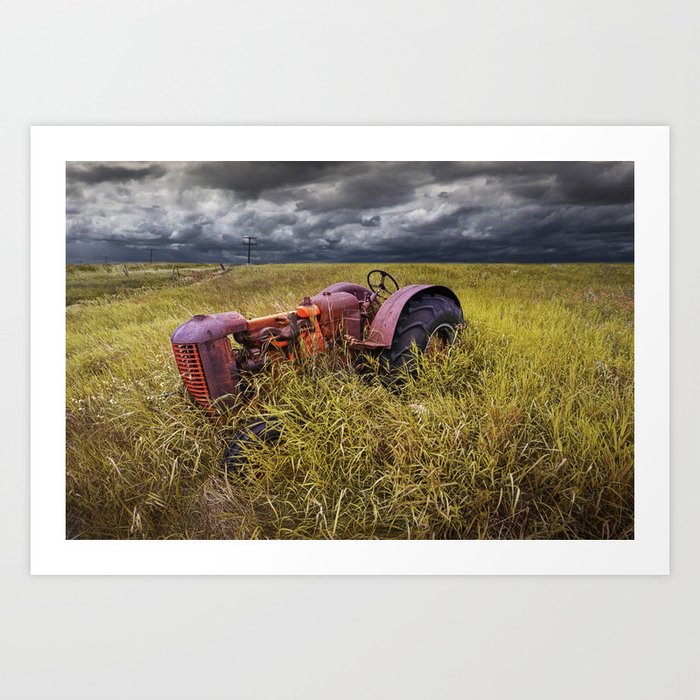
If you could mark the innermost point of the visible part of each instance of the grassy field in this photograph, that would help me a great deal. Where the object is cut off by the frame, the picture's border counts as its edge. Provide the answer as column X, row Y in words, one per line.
column 523, row 429
column 87, row 283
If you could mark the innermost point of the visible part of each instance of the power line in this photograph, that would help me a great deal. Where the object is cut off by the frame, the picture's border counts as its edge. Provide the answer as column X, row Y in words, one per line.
column 249, row 242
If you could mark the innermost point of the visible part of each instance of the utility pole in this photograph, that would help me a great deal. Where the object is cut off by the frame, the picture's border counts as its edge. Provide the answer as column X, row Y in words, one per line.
column 249, row 242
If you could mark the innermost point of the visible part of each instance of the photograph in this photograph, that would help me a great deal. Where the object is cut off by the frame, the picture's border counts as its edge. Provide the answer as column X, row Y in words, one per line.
column 349, row 349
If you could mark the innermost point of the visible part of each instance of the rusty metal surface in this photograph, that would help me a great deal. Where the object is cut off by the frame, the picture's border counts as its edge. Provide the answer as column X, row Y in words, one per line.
column 190, row 367
column 352, row 325
column 357, row 290
column 219, row 367
column 335, row 307
column 275, row 320
column 209, row 327
column 365, row 344
column 204, row 355
column 381, row 332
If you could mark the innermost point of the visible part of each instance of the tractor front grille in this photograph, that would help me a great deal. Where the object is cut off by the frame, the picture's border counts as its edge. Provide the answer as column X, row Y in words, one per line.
column 190, row 366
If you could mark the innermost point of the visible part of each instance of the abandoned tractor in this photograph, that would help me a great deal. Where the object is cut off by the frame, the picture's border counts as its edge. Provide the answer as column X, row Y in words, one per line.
column 381, row 318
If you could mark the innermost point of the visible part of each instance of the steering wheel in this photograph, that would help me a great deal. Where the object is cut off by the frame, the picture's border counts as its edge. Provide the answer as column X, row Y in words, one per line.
column 380, row 286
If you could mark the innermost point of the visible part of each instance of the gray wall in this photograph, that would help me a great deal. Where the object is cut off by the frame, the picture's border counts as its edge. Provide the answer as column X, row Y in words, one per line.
column 313, row 62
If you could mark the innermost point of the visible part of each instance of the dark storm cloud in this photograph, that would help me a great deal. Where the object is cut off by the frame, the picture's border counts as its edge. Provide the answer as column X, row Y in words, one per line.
column 354, row 211
column 578, row 181
column 94, row 173
column 597, row 183
column 250, row 179
column 256, row 222
column 382, row 185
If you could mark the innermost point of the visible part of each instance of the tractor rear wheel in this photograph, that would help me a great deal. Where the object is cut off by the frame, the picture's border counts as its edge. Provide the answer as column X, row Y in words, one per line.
column 429, row 322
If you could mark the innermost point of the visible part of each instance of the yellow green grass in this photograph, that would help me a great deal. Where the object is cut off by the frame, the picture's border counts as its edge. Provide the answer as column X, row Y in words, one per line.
column 87, row 283
column 523, row 429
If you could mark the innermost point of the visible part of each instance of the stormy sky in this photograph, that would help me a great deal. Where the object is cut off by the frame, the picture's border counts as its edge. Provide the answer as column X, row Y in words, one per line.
column 350, row 211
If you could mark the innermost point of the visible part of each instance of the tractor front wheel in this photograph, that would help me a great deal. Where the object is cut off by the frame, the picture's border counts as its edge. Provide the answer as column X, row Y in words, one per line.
column 429, row 322
column 263, row 429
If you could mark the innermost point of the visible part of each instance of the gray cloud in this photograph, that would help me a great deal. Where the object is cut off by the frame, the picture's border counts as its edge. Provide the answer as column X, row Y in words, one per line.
column 93, row 173
column 372, row 221
column 249, row 180
column 351, row 211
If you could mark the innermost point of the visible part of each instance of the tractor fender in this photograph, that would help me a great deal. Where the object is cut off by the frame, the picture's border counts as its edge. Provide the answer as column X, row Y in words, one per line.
column 381, row 332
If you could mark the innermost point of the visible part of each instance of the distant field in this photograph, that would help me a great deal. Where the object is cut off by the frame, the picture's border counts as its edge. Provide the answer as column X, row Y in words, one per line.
column 524, row 429
column 85, row 283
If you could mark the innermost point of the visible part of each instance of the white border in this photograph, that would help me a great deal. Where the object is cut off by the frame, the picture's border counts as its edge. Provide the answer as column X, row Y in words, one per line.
column 648, row 147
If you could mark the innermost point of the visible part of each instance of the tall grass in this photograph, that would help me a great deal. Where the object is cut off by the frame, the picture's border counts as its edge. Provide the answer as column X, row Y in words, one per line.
column 522, row 429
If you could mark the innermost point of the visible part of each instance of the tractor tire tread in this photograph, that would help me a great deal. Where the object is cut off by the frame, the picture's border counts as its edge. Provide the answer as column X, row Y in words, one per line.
column 418, row 320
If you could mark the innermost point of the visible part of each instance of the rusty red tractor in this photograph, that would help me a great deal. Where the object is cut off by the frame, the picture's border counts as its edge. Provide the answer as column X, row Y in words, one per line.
column 381, row 318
